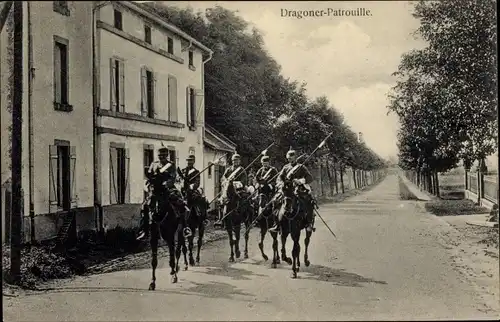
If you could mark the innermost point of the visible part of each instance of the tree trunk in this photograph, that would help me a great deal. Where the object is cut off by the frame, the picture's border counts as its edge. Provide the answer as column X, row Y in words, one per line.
column 335, row 178
column 354, row 178
column 330, row 183
column 342, row 180
column 438, row 194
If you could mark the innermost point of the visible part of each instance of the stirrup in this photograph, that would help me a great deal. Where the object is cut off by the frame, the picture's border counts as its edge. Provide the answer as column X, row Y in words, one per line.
column 187, row 232
column 274, row 229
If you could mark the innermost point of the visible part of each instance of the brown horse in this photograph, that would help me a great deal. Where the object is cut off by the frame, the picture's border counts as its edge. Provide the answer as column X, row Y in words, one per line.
column 198, row 208
column 294, row 220
column 264, row 208
column 166, row 224
column 237, row 210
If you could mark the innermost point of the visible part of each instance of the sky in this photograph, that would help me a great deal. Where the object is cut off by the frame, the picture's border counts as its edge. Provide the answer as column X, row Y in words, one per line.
column 348, row 59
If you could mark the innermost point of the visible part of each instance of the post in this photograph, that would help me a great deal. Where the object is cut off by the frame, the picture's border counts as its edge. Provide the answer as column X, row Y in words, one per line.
column 16, row 156
column 4, row 13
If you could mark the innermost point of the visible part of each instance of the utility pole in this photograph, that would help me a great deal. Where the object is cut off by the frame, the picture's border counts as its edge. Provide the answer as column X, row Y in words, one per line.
column 4, row 13
column 16, row 156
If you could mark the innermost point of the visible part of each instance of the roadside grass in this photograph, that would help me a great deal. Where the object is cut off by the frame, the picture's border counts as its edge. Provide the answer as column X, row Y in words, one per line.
column 42, row 263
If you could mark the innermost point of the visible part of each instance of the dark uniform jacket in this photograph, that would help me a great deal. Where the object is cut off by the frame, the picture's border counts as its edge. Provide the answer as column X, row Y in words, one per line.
column 267, row 175
column 191, row 177
column 295, row 171
column 161, row 177
column 239, row 175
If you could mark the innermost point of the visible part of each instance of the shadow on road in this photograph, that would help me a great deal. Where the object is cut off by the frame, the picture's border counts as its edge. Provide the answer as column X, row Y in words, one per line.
column 231, row 272
column 208, row 290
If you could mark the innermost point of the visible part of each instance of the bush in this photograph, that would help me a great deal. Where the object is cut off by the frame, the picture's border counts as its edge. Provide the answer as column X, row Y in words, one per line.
column 454, row 207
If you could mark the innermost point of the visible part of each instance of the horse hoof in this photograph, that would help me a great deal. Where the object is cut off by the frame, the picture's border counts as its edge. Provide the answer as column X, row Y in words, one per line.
column 177, row 269
column 174, row 279
column 191, row 262
column 274, row 265
column 307, row 262
column 265, row 257
column 231, row 259
column 186, row 268
column 298, row 269
column 152, row 286
column 278, row 261
column 197, row 260
column 245, row 256
column 294, row 274
column 288, row 261
column 238, row 254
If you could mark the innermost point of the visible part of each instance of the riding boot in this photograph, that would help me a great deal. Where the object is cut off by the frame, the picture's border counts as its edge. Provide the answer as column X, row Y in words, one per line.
column 310, row 220
column 144, row 226
column 186, row 231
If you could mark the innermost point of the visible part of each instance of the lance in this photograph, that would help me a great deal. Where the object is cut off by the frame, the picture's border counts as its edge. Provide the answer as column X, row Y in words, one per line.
column 248, row 166
column 324, row 222
column 301, row 164
column 209, row 165
column 260, row 215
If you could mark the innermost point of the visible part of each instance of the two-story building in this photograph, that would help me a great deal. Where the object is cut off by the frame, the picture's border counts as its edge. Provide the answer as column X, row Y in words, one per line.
column 149, row 90
column 57, row 158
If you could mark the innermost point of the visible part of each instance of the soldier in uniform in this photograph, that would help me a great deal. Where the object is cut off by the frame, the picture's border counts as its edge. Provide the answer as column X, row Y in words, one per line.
column 299, row 175
column 266, row 174
column 236, row 175
column 161, row 181
column 191, row 184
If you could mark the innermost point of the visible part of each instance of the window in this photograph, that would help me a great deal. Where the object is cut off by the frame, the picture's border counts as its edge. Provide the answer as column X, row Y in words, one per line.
column 210, row 170
column 118, row 19
column 148, row 93
column 191, row 107
column 191, row 58
column 172, row 155
column 62, row 178
column 148, row 158
column 117, row 88
column 61, row 75
column 172, row 98
column 147, row 34
column 170, row 45
column 61, row 7
column 118, row 173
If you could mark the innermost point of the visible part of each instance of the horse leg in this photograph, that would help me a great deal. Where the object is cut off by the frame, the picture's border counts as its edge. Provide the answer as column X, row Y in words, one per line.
column 237, row 235
column 171, row 253
column 247, row 236
column 276, row 257
column 191, row 246
column 306, row 244
column 295, row 253
column 263, row 231
column 229, row 229
column 179, row 245
column 201, row 232
column 284, row 236
column 154, row 255
column 184, row 252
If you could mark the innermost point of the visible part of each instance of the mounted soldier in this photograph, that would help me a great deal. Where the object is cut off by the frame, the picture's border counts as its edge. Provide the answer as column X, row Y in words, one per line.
column 161, row 185
column 296, row 175
column 190, row 188
column 267, row 174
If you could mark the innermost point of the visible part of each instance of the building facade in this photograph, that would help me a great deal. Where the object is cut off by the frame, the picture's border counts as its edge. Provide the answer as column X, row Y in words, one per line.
column 149, row 93
column 217, row 151
column 57, row 160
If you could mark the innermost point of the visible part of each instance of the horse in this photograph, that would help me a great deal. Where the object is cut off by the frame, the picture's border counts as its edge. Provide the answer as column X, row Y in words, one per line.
column 264, row 211
column 237, row 210
column 167, row 224
column 198, row 209
column 295, row 212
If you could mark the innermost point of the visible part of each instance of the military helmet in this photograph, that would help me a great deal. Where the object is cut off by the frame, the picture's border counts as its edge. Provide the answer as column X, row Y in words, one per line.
column 291, row 152
column 264, row 158
column 163, row 151
column 191, row 157
column 236, row 156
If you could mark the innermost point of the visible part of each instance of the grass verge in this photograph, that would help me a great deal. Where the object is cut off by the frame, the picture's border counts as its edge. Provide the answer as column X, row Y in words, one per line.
column 443, row 207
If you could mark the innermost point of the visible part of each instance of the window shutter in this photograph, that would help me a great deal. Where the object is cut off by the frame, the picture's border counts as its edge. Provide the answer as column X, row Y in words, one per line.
column 193, row 108
column 172, row 98
column 127, row 176
column 155, row 94
column 53, row 160
column 112, row 89
column 57, row 74
column 144, row 96
column 188, row 114
column 72, row 169
column 113, row 178
column 122, row 86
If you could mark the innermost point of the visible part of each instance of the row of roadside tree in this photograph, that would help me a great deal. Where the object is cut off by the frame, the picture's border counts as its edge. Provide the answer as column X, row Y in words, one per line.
column 446, row 93
column 252, row 103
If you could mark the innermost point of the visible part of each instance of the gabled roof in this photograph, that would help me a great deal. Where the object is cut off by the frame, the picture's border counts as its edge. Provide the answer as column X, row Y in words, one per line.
column 216, row 140
column 160, row 21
